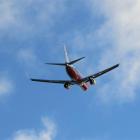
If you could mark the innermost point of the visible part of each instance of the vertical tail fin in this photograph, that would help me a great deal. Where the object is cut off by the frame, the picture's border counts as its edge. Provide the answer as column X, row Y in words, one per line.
column 66, row 55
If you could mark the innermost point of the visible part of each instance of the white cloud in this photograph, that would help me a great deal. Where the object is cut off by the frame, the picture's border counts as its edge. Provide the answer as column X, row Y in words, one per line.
column 28, row 17
column 115, row 40
column 7, row 13
column 31, row 62
column 6, row 86
column 49, row 11
column 122, row 19
column 47, row 133
column 27, row 56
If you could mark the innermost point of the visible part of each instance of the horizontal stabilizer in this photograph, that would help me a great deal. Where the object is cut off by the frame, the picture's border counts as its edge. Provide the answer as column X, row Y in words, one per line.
column 74, row 61
column 58, row 64
column 68, row 63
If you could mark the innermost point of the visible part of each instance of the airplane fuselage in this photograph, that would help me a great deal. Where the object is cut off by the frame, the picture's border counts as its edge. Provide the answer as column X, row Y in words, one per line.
column 75, row 75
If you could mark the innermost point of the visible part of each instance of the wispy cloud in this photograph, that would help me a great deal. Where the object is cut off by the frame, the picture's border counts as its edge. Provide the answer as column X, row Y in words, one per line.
column 7, row 14
column 47, row 133
column 21, row 22
column 116, row 40
column 30, row 62
column 6, row 86
column 27, row 57
column 29, row 17
column 123, row 21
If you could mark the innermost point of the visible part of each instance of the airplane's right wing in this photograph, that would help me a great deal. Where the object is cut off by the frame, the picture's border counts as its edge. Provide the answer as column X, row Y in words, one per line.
column 86, row 79
column 72, row 82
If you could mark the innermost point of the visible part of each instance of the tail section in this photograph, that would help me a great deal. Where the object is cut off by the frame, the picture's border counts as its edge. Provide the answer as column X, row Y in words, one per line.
column 67, row 60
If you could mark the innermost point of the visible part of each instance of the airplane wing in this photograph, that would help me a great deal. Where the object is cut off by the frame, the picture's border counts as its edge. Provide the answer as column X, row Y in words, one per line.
column 86, row 79
column 72, row 82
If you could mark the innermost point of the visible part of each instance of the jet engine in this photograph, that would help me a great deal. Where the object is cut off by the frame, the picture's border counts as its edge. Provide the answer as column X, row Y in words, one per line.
column 67, row 85
column 92, row 81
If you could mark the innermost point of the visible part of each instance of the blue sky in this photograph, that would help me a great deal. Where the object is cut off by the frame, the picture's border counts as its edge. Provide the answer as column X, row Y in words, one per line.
column 33, row 32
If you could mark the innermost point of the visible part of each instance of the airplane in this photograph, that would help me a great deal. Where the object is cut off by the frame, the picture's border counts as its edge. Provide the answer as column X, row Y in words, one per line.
column 76, row 78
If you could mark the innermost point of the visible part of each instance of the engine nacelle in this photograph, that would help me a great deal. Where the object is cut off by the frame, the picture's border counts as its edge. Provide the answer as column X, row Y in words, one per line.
column 92, row 81
column 67, row 85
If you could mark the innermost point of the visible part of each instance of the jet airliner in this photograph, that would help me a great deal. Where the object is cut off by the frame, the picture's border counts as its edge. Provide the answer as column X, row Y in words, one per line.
column 76, row 78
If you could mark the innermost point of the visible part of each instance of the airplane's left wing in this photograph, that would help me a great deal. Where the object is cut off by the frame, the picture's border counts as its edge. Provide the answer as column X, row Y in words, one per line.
column 86, row 79
column 72, row 82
